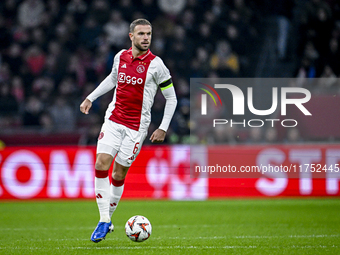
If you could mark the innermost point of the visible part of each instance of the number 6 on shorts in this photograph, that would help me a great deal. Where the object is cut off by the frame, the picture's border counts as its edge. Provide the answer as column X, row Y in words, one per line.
column 135, row 149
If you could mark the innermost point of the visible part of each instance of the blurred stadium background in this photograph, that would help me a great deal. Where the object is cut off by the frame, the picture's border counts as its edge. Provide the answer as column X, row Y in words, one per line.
column 55, row 52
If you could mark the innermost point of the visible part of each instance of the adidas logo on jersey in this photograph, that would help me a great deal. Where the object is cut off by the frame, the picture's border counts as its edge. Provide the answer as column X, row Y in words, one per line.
column 123, row 66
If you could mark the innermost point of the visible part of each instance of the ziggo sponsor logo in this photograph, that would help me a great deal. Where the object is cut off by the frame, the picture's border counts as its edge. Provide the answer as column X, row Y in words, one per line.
column 123, row 78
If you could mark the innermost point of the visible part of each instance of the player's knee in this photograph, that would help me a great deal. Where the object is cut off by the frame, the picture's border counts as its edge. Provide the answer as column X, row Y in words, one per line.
column 100, row 165
column 119, row 172
column 103, row 162
column 118, row 176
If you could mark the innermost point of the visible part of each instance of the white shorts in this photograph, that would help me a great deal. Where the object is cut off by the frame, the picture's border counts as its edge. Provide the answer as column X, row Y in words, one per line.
column 116, row 139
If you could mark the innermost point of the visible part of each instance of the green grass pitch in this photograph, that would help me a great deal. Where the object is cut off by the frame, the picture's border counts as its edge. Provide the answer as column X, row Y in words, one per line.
column 256, row 226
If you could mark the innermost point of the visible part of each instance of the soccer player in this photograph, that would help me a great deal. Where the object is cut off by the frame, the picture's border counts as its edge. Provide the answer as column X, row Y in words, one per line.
column 136, row 74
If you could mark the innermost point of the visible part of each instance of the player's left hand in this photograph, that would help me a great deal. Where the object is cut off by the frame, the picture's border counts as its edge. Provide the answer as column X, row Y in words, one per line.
column 158, row 136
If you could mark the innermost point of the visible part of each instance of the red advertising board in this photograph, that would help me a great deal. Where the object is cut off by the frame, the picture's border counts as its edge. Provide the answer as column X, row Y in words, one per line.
column 163, row 172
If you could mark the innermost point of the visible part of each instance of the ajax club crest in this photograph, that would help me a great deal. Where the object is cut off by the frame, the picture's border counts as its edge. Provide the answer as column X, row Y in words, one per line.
column 140, row 69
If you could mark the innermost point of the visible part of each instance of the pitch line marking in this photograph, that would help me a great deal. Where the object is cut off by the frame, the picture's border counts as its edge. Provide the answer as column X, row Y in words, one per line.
column 117, row 227
column 174, row 247
column 198, row 237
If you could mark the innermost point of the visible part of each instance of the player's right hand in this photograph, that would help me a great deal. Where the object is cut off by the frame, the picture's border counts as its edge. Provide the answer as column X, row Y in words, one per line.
column 85, row 106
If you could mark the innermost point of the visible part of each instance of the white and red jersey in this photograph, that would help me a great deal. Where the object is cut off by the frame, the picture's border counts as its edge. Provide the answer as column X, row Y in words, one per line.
column 136, row 81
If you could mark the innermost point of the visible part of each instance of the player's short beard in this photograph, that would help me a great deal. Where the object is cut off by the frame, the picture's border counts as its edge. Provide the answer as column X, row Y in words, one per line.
column 140, row 48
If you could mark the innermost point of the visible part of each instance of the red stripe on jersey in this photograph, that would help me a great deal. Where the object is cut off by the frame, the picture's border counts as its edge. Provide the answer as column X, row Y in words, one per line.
column 130, row 88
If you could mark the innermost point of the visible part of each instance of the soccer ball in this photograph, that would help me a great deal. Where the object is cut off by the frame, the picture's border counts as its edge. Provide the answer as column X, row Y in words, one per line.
column 138, row 228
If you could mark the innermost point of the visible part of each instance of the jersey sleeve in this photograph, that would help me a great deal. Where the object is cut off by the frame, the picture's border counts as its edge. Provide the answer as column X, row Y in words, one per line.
column 162, row 74
column 109, row 82
column 170, row 107
column 163, row 80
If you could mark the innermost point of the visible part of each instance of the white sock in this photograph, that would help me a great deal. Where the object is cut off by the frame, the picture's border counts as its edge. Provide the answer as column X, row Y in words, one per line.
column 102, row 189
column 115, row 195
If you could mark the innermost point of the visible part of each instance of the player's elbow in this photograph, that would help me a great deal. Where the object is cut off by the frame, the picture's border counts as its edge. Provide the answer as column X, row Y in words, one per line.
column 174, row 100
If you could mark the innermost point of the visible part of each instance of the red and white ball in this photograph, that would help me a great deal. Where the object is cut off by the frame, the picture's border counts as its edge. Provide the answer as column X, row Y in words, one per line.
column 138, row 228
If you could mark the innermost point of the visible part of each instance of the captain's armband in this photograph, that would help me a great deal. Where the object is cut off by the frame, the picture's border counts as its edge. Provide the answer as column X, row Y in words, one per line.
column 165, row 85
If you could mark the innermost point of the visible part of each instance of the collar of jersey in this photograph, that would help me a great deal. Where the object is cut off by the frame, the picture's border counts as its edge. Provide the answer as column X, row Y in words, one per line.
column 141, row 57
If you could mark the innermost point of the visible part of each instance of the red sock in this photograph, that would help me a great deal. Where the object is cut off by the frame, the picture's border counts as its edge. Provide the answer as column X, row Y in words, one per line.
column 102, row 173
column 117, row 183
